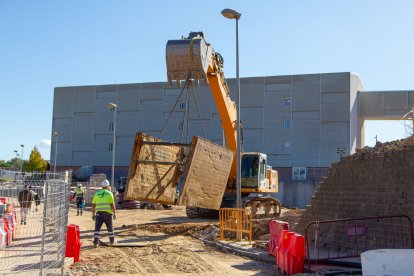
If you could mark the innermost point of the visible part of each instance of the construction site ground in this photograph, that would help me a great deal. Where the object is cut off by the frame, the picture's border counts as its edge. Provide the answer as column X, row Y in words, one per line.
column 164, row 242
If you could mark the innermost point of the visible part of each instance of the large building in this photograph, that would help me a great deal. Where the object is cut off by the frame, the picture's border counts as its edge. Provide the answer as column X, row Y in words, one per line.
column 299, row 121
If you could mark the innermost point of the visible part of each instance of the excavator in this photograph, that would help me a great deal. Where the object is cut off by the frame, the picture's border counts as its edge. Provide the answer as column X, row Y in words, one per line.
column 193, row 60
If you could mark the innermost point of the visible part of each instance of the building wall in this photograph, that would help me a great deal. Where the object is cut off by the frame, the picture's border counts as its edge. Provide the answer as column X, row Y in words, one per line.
column 298, row 120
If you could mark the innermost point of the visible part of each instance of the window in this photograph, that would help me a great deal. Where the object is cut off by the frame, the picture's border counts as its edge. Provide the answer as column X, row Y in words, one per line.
column 110, row 147
column 111, row 127
column 286, row 145
column 183, row 105
column 286, row 123
column 286, row 101
column 299, row 173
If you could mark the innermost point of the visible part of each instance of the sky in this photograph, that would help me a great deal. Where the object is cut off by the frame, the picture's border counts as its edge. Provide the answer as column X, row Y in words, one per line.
column 46, row 44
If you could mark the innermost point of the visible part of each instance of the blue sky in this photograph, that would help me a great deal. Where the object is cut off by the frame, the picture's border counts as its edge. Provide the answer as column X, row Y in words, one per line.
column 45, row 44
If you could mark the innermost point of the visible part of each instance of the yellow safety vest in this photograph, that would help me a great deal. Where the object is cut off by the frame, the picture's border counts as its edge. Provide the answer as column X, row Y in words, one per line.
column 79, row 192
column 103, row 200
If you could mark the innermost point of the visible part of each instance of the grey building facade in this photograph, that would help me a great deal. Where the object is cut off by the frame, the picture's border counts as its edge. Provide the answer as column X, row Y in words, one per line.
column 299, row 121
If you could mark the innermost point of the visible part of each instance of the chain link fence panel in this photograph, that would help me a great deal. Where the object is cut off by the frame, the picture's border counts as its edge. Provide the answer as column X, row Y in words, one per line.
column 36, row 215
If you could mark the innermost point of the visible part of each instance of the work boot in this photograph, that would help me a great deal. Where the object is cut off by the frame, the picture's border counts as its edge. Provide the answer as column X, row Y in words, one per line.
column 96, row 242
column 21, row 222
column 81, row 212
column 112, row 241
column 77, row 212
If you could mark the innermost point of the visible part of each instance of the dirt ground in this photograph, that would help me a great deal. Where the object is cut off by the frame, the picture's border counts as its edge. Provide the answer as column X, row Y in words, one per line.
column 170, row 247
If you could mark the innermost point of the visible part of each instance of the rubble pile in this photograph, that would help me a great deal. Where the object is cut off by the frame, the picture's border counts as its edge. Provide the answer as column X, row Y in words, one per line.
column 377, row 181
column 197, row 230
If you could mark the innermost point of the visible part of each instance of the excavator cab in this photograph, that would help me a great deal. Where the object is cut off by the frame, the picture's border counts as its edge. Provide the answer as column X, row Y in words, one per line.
column 253, row 170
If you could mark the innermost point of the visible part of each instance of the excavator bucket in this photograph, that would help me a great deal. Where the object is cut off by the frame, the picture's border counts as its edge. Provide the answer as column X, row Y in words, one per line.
column 188, row 58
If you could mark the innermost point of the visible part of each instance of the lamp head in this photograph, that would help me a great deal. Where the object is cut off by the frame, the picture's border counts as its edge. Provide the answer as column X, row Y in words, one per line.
column 231, row 14
column 111, row 106
column 55, row 133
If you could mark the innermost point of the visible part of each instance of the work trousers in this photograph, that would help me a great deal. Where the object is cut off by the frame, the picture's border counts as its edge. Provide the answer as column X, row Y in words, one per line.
column 101, row 218
column 79, row 201
column 23, row 214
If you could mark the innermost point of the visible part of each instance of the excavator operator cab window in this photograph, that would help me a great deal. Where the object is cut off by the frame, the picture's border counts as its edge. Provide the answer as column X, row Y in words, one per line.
column 250, row 166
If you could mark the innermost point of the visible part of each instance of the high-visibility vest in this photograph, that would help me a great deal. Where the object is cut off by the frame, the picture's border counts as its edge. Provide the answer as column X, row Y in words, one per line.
column 103, row 200
column 79, row 192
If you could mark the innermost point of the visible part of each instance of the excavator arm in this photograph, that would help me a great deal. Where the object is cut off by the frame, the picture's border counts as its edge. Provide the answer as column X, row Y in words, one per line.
column 192, row 58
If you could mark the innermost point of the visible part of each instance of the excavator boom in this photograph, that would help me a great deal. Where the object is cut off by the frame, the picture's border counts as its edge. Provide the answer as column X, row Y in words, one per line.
column 192, row 58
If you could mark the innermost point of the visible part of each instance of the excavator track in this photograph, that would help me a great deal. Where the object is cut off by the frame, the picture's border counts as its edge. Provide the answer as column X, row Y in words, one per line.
column 262, row 207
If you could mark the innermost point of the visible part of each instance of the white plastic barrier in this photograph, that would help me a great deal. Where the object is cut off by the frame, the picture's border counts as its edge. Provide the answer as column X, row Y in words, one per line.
column 3, row 236
column 389, row 262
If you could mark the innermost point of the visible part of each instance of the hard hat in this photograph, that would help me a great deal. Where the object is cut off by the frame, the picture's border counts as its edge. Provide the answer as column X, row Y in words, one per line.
column 79, row 184
column 105, row 183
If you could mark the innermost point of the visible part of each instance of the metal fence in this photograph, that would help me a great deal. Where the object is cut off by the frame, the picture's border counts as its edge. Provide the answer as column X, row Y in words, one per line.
column 348, row 238
column 38, row 241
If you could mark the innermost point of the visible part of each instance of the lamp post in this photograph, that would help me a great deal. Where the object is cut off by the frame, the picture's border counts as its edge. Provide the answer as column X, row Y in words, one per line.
column 232, row 14
column 56, row 134
column 113, row 107
column 15, row 151
column 21, row 165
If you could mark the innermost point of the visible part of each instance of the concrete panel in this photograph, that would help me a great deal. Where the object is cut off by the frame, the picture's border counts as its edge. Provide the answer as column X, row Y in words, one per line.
column 335, row 82
column 411, row 98
column 335, row 112
column 151, row 91
column 83, row 132
column 195, row 128
column 204, row 101
column 63, row 102
column 253, row 140
column 128, row 100
column 306, row 92
column 107, row 95
column 395, row 100
column 154, row 181
column 65, row 133
column 335, row 98
column 207, row 170
column 82, row 158
column 305, row 143
column 371, row 104
column 216, row 128
column 334, row 132
column 103, row 116
column 129, row 86
column 396, row 113
column 251, row 92
column 101, row 154
column 279, row 160
column 274, row 140
column 64, row 155
column 107, row 88
column 127, row 123
column 62, row 122
column 329, row 152
column 85, row 99
column 151, row 117
column 306, row 115
column 122, row 151
column 251, row 117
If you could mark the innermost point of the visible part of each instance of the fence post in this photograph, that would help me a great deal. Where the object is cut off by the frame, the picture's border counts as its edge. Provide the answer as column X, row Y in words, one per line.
column 44, row 226
column 66, row 208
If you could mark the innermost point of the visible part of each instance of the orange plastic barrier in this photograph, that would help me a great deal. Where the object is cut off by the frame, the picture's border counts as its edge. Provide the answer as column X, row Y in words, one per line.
column 295, row 255
column 8, row 231
column 275, row 227
column 73, row 242
column 284, row 242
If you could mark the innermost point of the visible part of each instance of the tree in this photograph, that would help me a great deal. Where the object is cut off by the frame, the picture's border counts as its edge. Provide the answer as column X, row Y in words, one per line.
column 4, row 164
column 36, row 162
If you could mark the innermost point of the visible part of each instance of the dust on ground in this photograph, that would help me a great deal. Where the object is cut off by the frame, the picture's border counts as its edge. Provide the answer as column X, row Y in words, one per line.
column 171, row 247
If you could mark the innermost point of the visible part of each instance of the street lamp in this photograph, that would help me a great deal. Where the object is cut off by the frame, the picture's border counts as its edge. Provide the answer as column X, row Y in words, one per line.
column 21, row 165
column 15, row 151
column 112, row 107
column 56, row 134
column 232, row 14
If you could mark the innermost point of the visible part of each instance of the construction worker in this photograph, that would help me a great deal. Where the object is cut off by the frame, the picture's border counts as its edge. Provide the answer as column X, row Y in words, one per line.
column 79, row 195
column 25, row 201
column 103, row 210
